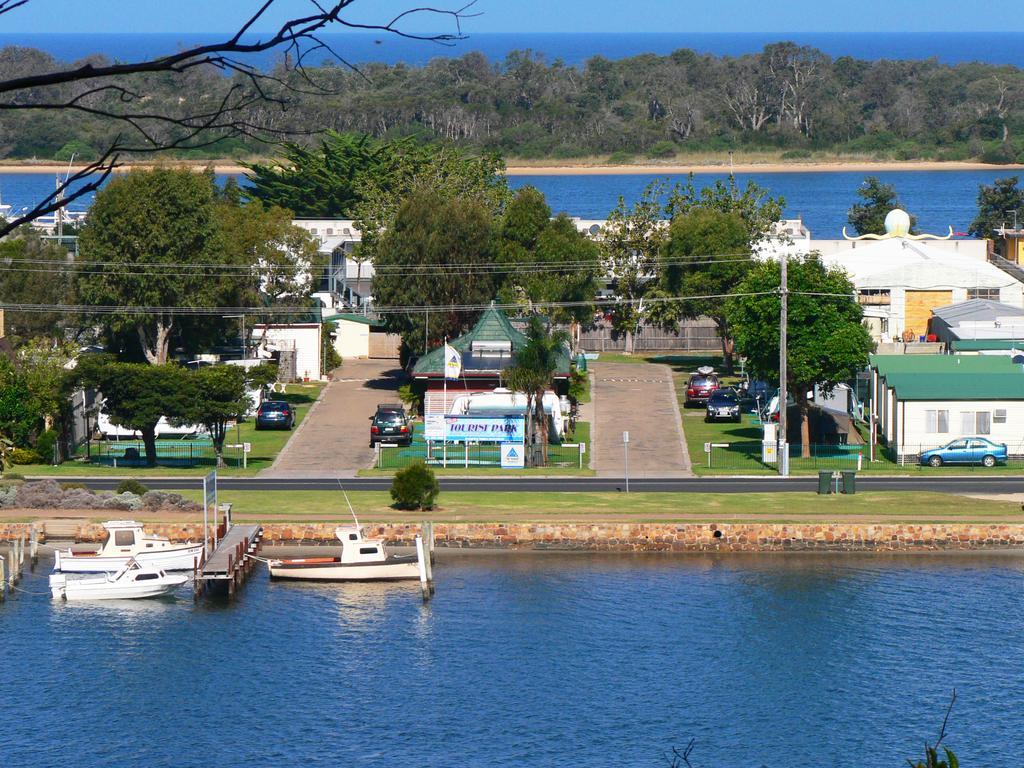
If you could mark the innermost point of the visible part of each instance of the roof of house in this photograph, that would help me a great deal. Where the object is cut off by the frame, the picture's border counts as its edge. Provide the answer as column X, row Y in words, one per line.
column 980, row 345
column 976, row 309
column 959, row 386
column 890, row 365
column 493, row 326
column 353, row 318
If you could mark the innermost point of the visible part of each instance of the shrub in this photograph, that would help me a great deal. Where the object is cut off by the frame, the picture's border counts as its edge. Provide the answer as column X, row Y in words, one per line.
column 45, row 444
column 415, row 487
column 8, row 495
column 74, row 486
column 13, row 476
column 45, row 494
column 662, row 149
column 25, row 456
column 132, row 486
column 621, row 158
column 411, row 398
column 797, row 154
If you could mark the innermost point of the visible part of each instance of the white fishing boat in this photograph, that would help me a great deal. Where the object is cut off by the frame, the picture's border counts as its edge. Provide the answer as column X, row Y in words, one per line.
column 125, row 540
column 132, row 581
column 362, row 559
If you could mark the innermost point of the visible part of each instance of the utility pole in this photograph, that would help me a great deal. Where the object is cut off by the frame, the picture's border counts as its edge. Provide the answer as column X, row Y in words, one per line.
column 783, row 354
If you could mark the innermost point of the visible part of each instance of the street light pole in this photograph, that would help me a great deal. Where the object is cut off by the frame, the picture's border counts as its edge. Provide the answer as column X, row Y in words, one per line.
column 783, row 456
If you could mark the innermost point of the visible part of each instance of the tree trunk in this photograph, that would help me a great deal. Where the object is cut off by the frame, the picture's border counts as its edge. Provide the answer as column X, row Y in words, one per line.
column 217, row 434
column 541, row 424
column 149, row 441
column 629, row 343
column 528, row 444
column 156, row 348
column 728, row 346
column 805, row 421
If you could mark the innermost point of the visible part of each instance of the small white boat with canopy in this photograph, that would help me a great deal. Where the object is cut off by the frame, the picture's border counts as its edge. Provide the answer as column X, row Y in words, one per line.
column 126, row 540
column 132, row 581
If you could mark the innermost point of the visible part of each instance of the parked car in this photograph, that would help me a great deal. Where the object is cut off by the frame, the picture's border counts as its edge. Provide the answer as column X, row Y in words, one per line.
column 275, row 414
column 723, row 405
column 700, row 386
column 967, row 450
column 390, row 424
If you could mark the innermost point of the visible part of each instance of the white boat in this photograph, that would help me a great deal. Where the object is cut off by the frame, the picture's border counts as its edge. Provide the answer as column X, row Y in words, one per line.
column 125, row 540
column 361, row 559
column 132, row 581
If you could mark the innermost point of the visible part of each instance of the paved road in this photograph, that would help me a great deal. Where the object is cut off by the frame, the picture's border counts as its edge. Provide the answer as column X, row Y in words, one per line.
column 334, row 438
column 972, row 484
column 639, row 399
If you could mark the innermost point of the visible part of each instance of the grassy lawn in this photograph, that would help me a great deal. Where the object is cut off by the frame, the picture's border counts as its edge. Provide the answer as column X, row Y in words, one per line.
column 266, row 444
column 894, row 506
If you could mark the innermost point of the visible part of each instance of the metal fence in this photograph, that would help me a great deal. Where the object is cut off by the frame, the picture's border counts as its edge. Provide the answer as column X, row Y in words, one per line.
column 169, row 453
column 467, row 455
column 750, row 456
column 693, row 336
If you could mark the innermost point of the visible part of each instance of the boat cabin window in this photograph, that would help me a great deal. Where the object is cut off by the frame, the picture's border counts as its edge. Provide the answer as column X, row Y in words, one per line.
column 353, row 537
column 124, row 538
column 367, row 550
column 146, row 576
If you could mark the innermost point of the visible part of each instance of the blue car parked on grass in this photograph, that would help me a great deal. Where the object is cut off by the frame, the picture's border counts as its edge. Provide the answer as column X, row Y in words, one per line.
column 966, row 450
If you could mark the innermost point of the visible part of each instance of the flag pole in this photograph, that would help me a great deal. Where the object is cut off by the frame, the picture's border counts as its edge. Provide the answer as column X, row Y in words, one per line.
column 444, row 405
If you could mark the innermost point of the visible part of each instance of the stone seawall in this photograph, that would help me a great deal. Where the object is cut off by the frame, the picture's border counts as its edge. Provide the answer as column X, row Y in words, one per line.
column 635, row 537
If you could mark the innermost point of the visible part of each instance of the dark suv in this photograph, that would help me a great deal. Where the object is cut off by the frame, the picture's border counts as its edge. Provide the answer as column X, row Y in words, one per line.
column 390, row 425
column 699, row 389
column 723, row 404
column 275, row 414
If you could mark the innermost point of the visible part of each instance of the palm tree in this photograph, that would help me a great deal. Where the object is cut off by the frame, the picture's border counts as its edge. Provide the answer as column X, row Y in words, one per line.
column 532, row 374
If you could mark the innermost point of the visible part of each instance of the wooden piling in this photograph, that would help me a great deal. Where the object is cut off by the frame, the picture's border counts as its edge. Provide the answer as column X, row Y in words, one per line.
column 423, row 560
column 33, row 546
column 3, row 581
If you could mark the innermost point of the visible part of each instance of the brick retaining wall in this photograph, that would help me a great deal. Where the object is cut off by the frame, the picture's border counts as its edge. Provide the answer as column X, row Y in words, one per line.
column 636, row 537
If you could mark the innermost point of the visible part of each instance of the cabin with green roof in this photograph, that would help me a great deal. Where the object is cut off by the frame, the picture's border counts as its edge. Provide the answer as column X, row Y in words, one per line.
column 925, row 401
column 487, row 350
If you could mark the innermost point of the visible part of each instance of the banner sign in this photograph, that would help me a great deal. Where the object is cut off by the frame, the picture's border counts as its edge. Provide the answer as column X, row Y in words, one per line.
column 484, row 429
column 513, row 455
column 433, row 426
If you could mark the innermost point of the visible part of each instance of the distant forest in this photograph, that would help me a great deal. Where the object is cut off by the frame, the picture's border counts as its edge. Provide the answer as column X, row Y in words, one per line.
column 788, row 99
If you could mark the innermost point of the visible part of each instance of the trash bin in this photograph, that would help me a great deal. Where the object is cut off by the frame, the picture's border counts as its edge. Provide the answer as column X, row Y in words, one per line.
column 824, row 483
column 849, row 481
column 581, row 363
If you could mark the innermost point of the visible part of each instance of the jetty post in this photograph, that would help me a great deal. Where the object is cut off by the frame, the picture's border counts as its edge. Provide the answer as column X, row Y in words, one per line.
column 33, row 546
column 423, row 561
column 3, row 581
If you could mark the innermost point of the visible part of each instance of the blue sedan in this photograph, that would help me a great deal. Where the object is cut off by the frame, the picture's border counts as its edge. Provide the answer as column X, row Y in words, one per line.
column 966, row 450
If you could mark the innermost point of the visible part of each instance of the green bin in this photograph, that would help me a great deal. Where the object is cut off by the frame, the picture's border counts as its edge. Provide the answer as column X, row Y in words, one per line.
column 849, row 481
column 824, row 482
column 581, row 363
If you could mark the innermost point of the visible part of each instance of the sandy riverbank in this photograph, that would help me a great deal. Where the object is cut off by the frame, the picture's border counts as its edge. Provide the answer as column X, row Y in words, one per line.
column 598, row 169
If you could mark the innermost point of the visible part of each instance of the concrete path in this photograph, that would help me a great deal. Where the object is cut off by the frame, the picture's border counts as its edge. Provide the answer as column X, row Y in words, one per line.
column 640, row 399
column 334, row 438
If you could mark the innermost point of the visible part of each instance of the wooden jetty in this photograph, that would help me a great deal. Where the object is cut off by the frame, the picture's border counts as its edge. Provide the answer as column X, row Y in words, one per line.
column 232, row 561
column 13, row 560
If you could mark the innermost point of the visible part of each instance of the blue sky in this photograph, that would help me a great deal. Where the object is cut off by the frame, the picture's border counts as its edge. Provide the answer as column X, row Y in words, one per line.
column 545, row 15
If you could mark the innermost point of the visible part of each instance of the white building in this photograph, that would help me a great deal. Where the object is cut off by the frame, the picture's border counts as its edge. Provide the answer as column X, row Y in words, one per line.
column 299, row 346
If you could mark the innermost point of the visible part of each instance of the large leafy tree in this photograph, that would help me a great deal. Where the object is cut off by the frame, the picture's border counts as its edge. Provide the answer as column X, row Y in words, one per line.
column 20, row 415
column 827, row 342
column 532, row 373
column 632, row 240
column 148, row 244
column 547, row 260
column 136, row 395
column 1000, row 203
column 34, row 272
column 868, row 217
column 710, row 239
column 438, row 253
column 218, row 394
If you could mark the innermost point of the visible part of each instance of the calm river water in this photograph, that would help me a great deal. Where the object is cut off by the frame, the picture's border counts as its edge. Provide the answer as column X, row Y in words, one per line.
column 533, row 660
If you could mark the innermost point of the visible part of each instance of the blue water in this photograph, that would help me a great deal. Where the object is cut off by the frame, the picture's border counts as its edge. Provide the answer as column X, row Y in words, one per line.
column 534, row 660
column 940, row 199
column 573, row 49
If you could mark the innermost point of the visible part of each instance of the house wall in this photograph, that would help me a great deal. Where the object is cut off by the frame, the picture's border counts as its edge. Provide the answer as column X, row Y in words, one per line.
column 916, row 437
column 352, row 339
column 305, row 339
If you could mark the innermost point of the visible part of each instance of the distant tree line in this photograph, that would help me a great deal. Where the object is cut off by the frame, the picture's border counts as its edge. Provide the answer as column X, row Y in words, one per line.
column 788, row 98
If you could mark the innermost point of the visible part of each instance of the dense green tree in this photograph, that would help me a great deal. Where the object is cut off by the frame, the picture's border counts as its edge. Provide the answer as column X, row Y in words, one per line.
column 868, row 218
column 632, row 241
column 35, row 271
column 999, row 204
column 438, row 253
column 163, row 217
column 45, row 366
column 20, row 415
column 217, row 394
column 136, row 395
column 532, row 373
column 547, row 260
column 827, row 342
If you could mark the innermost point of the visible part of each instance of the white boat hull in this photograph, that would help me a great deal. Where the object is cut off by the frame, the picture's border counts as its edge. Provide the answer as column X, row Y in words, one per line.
column 311, row 570
column 100, row 588
column 179, row 558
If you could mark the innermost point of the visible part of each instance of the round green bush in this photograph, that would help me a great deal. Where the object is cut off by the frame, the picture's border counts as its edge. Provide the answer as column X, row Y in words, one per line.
column 25, row 456
column 45, row 444
column 131, row 486
column 415, row 487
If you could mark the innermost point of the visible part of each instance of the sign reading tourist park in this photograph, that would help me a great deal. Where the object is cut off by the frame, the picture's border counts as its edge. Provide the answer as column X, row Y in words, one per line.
column 484, row 429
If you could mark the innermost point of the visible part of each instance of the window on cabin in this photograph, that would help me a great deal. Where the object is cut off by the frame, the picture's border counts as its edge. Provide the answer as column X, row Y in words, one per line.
column 146, row 576
column 353, row 537
column 999, row 416
column 983, row 293
column 124, row 538
column 367, row 550
column 976, row 422
column 936, row 422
